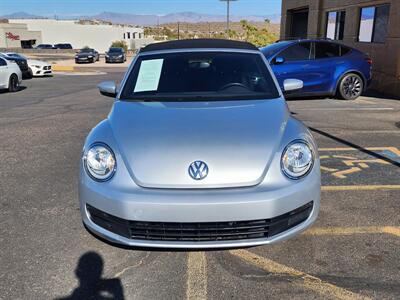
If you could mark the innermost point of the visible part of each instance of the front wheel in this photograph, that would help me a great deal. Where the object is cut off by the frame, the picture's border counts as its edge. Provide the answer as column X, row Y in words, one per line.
column 351, row 86
column 13, row 83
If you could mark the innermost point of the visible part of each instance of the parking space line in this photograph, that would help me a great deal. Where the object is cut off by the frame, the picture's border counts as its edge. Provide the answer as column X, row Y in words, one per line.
column 306, row 280
column 196, row 288
column 344, row 109
column 392, row 149
column 354, row 230
column 360, row 187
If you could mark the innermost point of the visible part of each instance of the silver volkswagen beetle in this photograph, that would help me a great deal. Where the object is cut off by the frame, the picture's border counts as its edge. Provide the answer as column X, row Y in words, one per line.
column 199, row 151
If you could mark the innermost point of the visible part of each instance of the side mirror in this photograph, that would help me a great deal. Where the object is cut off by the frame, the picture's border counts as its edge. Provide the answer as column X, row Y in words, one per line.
column 292, row 85
column 279, row 60
column 108, row 88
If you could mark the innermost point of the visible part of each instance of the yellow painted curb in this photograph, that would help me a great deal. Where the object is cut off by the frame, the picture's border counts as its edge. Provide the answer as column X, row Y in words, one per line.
column 63, row 68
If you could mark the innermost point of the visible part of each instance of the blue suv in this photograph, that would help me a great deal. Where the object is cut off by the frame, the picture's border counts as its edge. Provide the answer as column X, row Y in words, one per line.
column 326, row 68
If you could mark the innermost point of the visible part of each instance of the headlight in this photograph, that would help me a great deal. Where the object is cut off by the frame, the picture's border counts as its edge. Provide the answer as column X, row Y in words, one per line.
column 107, row 56
column 119, row 56
column 99, row 162
column 38, row 67
column 297, row 159
column 90, row 56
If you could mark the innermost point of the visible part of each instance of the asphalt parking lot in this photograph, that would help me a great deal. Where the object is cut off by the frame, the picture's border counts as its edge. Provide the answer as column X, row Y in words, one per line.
column 352, row 252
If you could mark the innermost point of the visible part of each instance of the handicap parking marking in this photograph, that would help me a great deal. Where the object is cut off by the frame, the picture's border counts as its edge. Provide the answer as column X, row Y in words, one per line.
column 375, row 166
column 302, row 279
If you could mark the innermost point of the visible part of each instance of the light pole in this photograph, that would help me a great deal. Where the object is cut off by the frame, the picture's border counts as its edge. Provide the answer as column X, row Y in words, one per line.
column 227, row 15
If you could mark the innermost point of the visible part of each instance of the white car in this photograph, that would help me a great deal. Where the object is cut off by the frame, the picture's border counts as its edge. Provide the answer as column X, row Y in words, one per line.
column 10, row 75
column 37, row 67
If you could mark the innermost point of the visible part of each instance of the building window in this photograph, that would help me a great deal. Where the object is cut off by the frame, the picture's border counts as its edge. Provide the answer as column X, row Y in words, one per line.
column 129, row 35
column 124, row 35
column 374, row 24
column 335, row 24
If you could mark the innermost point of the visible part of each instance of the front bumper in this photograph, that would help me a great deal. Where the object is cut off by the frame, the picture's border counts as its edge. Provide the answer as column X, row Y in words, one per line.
column 114, row 59
column 165, row 206
column 42, row 71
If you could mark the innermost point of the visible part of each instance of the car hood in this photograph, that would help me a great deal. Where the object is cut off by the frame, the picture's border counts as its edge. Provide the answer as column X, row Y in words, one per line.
column 236, row 139
column 37, row 62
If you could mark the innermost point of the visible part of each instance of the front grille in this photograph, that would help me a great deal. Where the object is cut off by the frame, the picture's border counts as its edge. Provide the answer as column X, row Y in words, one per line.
column 200, row 231
column 47, row 68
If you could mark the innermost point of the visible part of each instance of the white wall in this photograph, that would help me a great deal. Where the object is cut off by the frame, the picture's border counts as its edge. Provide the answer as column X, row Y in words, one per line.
column 19, row 30
column 98, row 37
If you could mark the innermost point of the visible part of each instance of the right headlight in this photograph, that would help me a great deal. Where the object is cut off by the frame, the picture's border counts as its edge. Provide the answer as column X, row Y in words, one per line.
column 297, row 159
column 99, row 162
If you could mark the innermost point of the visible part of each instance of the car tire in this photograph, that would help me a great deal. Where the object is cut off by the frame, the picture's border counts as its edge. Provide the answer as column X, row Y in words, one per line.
column 350, row 87
column 13, row 83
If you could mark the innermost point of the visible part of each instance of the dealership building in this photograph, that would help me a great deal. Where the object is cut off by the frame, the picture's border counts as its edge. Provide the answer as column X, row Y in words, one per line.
column 372, row 26
column 98, row 35
column 18, row 36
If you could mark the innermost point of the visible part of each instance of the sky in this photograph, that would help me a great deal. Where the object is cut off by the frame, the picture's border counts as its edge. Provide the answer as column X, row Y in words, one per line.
column 70, row 8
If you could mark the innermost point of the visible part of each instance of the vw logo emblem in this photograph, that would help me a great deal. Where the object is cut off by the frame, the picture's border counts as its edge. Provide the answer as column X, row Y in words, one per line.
column 198, row 170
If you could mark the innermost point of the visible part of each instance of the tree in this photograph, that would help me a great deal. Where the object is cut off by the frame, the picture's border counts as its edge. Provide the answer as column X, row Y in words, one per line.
column 120, row 44
column 256, row 36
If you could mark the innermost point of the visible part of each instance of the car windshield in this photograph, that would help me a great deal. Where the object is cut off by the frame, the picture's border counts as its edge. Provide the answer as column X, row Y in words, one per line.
column 199, row 76
column 16, row 55
column 115, row 50
column 86, row 50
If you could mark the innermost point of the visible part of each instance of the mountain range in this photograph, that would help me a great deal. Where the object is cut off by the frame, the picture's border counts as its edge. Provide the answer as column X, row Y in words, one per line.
column 147, row 20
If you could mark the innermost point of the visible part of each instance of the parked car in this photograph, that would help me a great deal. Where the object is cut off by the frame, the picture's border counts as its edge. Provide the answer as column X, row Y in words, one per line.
column 327, row 68
column 87, row 55
column 36, row 67
column 10, row 75
column 44, row 46
column 62, row 46
column 199, row 151
column 22, row 64
column 115, row 54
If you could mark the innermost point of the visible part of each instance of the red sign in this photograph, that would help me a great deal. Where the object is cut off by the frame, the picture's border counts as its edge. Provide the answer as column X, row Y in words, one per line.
column 11, row 36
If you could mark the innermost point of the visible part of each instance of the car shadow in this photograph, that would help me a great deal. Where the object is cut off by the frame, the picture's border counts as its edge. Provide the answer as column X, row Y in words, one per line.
column 355, row 146
column 5, row 91
column 376, row 94
column 91, row 284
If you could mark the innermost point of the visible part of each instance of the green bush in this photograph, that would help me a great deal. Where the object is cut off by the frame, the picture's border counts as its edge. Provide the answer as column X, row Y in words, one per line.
column 120, row 44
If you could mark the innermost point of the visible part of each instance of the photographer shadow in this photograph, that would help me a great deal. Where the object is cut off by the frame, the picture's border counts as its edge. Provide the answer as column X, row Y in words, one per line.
column 91, row 285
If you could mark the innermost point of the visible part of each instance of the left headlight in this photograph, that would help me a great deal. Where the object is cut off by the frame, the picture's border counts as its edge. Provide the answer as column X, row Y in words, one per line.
column 99, row 162
column 297, row 159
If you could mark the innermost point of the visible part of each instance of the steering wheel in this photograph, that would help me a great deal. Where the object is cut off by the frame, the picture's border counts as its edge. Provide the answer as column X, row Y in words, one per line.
column 233, row 84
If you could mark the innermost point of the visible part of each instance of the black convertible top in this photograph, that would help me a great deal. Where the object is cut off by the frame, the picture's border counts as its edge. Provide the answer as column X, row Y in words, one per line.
column 199, row 43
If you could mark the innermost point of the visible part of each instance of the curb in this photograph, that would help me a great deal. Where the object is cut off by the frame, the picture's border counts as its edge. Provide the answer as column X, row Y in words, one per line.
column 63, row 68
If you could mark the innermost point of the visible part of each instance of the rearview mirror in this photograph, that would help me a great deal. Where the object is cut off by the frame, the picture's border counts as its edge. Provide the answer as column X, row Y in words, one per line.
column 108, row 88
column 292, row 85
column 279, row 60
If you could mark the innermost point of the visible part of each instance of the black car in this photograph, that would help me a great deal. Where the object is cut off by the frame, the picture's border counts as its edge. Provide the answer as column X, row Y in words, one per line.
column 22, row 64
column 88, row 55
column 44, row 46
column 62, row 46
column 115, row 54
